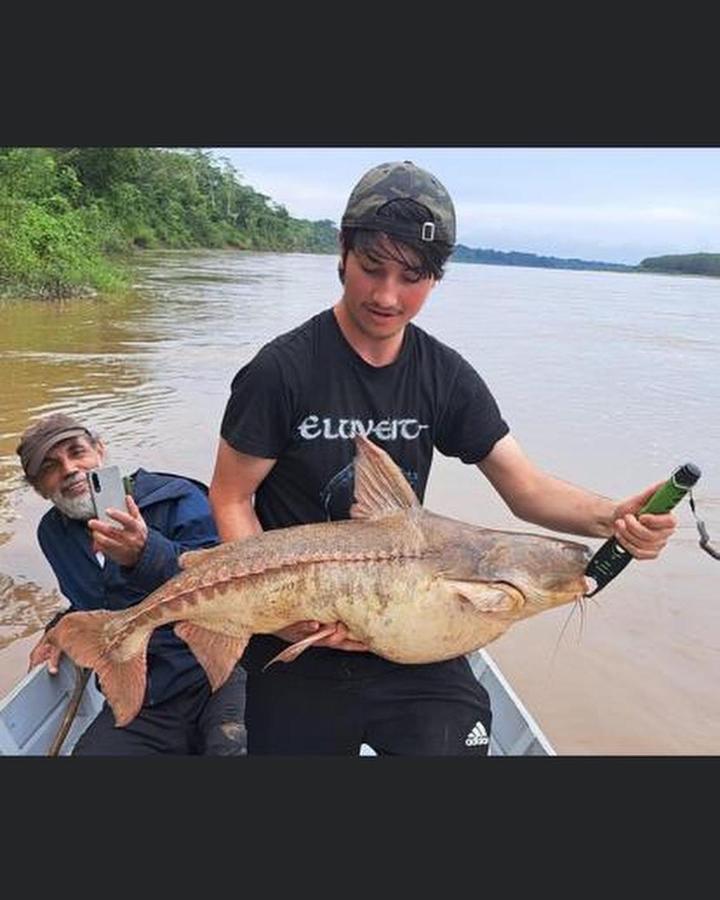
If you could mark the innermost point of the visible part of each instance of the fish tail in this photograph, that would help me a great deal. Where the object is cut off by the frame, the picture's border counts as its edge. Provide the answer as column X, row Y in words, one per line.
column 93, row 640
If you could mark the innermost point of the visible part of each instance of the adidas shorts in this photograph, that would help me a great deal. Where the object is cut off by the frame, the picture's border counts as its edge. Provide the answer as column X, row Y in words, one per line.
column 434, row 709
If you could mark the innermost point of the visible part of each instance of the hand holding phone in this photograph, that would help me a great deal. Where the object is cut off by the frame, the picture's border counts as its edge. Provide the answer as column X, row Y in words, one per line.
column 107, row 491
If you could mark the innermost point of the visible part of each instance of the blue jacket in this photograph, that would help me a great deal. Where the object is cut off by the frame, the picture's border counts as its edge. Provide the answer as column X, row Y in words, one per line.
column 178, row 516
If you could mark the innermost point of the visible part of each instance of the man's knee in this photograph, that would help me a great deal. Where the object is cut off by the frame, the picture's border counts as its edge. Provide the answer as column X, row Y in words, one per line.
column 222, row 725
column 100, row 738
column 226, row 739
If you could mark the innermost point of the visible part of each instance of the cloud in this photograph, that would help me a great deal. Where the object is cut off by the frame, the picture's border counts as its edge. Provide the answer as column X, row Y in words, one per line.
column 612, row 232
column 513, row 214
column 302, row 197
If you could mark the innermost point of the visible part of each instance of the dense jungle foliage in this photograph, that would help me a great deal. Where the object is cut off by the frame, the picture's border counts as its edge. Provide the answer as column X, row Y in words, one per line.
column 687, row 264
column 68, row 215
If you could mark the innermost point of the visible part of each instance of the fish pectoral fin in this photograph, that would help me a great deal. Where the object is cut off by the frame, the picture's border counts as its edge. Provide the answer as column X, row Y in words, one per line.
column 294, row 650
column 380, row 486
column 485, row 596
column 216, row 651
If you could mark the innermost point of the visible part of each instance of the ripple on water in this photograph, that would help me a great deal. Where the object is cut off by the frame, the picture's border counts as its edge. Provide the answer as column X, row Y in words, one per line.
column 25, row 607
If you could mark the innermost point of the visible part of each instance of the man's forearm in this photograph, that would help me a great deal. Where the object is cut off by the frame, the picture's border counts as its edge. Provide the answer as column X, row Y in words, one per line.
column 236, row 478
column 235, row 521
column 56, row 618
column 538, row 497
column 561, row 506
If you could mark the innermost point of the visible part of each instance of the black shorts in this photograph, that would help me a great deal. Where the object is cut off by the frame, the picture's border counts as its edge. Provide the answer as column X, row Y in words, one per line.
column 434, row 709
column 193, row 722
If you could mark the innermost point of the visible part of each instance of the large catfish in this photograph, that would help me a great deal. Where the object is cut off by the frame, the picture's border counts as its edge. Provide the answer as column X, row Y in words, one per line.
column 414, row 586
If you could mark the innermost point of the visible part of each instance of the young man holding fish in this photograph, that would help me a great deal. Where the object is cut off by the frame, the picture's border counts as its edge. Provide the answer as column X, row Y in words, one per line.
column 99, row 566
column 285, row 458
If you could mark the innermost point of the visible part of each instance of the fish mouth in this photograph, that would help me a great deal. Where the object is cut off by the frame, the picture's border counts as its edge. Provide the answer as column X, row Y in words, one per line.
column 546, row 597
column 557, row 597
column 524, row 591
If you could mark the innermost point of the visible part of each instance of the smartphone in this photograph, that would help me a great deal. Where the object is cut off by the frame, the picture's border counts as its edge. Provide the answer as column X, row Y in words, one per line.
column 107, row 489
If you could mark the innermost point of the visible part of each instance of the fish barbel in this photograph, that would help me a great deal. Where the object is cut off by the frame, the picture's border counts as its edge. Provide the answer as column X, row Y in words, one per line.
column 414, row 586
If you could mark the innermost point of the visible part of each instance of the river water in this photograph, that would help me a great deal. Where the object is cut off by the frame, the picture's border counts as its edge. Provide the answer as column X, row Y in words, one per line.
column 608, row 379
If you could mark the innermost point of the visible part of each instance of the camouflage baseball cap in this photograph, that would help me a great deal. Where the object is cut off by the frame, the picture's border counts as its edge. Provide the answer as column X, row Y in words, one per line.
column 395, row 181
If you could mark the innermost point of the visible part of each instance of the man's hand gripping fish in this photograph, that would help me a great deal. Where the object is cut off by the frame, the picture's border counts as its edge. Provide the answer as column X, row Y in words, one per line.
column 414, row 586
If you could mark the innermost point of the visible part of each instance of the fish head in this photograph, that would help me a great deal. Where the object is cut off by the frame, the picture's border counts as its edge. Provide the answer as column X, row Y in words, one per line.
column 513, row 572
column 545, row 571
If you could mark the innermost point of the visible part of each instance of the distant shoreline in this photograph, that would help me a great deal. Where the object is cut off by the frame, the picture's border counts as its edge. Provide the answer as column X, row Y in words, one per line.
column 707, row 264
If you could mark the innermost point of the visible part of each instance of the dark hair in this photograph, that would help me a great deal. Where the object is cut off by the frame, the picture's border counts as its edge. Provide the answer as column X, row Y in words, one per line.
column 381, row 245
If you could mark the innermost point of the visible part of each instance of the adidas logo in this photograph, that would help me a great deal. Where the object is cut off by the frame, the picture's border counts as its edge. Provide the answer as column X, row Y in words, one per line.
column 478, row 737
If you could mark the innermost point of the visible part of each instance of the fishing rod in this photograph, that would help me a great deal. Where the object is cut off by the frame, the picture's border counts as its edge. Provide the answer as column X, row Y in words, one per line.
column 612, row 557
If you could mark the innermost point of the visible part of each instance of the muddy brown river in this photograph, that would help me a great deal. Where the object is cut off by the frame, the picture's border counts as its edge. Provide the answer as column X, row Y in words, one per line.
column 609, row 380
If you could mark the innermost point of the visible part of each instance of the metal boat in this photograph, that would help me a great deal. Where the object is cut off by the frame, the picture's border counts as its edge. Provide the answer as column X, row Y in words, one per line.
column 32, row 714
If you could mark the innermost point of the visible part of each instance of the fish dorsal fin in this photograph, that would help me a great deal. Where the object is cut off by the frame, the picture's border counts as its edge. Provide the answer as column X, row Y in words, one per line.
column 380, row 487
column 191, row 558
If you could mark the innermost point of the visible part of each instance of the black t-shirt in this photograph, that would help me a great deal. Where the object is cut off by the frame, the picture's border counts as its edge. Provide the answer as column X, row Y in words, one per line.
column 305, row 395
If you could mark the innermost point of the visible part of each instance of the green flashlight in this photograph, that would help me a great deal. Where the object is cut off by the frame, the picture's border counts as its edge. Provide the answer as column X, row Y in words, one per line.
column 612, row 558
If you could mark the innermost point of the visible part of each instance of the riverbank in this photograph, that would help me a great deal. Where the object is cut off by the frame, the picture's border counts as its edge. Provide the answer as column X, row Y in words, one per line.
column 683, row 264
column 68, row 215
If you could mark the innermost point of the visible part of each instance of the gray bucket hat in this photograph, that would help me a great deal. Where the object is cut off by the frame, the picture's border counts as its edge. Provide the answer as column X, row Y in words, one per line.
column 41, row 436
column 401, row 180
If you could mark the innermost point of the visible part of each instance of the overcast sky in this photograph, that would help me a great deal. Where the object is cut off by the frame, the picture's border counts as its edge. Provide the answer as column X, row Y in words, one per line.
column 608, row 204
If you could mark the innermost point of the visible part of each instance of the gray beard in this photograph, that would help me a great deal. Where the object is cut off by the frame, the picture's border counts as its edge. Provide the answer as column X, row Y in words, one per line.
column 81, row 507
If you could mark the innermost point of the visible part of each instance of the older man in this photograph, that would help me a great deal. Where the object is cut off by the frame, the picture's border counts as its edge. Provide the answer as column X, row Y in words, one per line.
column 99, row 566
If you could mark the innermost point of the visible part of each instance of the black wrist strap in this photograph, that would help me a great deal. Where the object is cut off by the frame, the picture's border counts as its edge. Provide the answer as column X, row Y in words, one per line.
column 704, row 536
